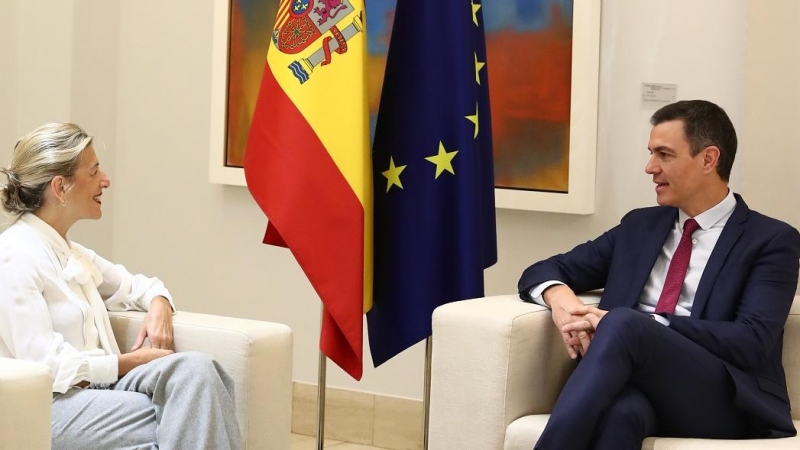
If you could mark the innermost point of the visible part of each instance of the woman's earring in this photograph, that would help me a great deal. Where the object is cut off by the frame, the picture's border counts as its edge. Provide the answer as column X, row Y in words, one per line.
column 64, row 200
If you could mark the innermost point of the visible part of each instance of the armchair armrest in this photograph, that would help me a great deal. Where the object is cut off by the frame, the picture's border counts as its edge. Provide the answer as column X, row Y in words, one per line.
column 26, row 395
column 256, row 354
column 495, row 359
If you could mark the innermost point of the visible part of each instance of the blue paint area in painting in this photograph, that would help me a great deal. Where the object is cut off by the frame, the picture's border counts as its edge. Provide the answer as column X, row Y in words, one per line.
column 522, row 15
column 251, row 12
column 379, row 14
column 517, row 15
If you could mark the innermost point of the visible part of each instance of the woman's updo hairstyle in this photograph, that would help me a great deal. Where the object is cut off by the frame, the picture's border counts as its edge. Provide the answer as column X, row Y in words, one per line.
column 51, row 150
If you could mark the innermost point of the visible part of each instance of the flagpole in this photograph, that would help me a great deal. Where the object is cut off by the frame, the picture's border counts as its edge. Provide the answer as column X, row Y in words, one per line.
column 321, row 382
column 427, row 394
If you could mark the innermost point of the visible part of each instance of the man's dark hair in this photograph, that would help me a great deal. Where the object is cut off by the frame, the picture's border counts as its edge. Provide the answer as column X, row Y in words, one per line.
column 704, row 124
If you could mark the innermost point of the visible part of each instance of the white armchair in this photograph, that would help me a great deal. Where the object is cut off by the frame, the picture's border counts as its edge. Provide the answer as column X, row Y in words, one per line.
column 256, row 354
column 499, row 364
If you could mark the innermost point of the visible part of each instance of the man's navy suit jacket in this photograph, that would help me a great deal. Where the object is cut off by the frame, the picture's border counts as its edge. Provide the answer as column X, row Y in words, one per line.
column 739, row 310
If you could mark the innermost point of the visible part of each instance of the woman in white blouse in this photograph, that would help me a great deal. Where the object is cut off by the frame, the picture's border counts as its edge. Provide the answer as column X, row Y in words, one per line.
column 54, row 298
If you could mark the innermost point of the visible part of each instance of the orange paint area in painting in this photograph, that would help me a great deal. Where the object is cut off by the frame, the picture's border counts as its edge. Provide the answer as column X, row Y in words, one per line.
column 237, row 127
column 530, row 85
column 247, row 54
column 376, row 68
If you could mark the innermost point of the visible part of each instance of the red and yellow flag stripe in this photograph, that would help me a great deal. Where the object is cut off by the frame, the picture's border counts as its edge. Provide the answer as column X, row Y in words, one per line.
column 308, row 162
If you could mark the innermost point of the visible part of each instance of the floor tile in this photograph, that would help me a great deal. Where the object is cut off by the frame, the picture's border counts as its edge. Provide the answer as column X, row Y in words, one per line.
column 302, row 442
column 304, row 409
column 398, row 423
column 349, row 446
column 348, row 414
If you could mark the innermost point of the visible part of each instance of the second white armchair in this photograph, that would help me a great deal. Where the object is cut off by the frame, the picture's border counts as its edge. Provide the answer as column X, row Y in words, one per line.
column 499, row 364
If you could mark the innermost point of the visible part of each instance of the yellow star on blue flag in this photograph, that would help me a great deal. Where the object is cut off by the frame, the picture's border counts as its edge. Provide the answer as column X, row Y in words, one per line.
column 443, row 160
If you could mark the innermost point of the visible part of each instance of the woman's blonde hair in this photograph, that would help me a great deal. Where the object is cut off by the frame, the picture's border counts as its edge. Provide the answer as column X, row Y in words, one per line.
column 51, row 150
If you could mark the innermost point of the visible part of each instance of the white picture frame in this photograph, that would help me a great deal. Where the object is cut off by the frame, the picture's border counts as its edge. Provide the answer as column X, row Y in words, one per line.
column 218, row 171
column 580, row 195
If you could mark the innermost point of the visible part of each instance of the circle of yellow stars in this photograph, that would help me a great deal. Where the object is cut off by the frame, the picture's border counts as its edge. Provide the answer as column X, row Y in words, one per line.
column 443, row 160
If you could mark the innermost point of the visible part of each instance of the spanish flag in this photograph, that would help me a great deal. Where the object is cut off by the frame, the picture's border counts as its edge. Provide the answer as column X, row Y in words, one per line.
column 308, row 163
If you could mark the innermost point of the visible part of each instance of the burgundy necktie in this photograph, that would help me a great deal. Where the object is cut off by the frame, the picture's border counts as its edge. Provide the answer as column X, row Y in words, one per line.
column 677, row 270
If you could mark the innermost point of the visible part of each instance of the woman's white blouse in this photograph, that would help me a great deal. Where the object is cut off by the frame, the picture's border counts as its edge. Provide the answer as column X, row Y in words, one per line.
column 54, row 297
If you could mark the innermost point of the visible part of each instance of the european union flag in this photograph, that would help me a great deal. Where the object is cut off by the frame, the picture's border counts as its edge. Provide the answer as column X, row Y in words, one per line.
column 432, row 161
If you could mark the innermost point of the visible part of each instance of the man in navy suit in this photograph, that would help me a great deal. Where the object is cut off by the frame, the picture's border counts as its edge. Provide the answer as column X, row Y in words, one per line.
column 694, row 353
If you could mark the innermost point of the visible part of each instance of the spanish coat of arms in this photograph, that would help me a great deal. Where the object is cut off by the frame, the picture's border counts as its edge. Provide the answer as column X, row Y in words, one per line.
column 303, row 23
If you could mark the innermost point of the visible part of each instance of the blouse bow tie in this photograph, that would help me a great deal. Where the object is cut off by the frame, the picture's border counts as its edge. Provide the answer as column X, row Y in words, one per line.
column 80, row 270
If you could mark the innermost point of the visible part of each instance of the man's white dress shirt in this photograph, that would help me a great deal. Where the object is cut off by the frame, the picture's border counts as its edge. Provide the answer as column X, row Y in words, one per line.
column 54, row 298
column 711, row 222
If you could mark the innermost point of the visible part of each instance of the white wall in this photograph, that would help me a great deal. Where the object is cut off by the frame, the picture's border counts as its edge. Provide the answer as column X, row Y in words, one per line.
column 140, row 81
column 58, row 58
column 9, row 54
column 93, row 105
column 772, row 96
column 45, row 69
column 37, row 67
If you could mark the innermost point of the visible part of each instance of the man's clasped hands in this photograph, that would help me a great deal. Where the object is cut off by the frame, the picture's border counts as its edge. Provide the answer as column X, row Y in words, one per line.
column 576, row 322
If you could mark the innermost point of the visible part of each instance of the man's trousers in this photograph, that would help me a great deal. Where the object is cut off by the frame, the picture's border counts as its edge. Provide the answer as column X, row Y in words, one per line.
column 639, row 378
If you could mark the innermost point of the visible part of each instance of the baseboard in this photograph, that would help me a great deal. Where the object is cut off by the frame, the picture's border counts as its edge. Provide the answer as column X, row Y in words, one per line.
column 361, row 418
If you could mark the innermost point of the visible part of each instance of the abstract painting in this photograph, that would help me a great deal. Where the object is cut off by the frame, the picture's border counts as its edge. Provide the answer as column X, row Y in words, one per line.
column 533, row 69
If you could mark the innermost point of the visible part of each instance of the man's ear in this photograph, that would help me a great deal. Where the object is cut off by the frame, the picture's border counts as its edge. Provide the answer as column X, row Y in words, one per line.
column 710, row 158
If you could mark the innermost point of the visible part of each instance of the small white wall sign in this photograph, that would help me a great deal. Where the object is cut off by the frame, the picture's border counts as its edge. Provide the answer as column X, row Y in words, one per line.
column 659, row 92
